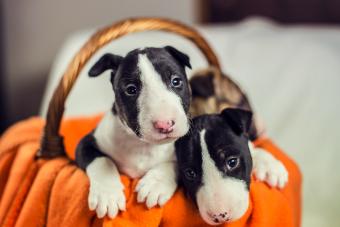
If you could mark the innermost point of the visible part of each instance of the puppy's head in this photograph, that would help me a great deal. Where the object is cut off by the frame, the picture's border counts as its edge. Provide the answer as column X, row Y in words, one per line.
column 151, row 90
column 215, row 164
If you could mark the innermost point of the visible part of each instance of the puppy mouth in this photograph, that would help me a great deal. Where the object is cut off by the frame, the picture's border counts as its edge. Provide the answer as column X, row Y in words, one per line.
column 157, row 137
column 166, row 131
column 161, row 138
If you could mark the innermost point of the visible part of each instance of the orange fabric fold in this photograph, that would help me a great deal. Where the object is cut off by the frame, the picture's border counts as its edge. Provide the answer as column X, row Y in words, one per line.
column 54, row 192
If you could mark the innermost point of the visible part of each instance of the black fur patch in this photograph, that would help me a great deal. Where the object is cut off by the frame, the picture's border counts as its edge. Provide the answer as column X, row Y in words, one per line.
column 126, row 106
column 223, row 142
column 87, row 150
column 189, row 158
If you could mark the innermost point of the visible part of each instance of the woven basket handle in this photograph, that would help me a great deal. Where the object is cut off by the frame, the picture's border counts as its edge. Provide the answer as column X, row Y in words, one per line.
column 52, row 142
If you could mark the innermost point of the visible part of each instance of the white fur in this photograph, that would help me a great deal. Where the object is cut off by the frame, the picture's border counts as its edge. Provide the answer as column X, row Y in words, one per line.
column 106, row 194
column 267, row 168
column 158, row 185
column 156, row 102
column 219, row 194
column 134, row 158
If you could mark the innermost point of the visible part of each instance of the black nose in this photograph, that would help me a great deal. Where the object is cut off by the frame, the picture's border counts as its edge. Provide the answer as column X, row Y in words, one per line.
column 221, row 217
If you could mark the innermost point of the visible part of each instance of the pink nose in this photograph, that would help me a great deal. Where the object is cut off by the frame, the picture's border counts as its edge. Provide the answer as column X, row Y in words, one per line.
column 164, row 126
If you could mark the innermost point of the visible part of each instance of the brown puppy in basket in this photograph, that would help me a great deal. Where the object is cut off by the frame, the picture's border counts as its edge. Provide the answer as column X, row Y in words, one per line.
column 213, row 91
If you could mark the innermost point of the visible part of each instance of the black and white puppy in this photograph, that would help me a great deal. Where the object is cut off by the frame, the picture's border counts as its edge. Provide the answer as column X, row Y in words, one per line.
column 215, row 161
column 137, row 136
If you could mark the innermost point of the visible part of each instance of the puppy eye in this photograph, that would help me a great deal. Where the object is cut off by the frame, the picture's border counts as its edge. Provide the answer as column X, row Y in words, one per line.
column 131, row 89
column 232, row 163
column 190, row 174
column 176, row 81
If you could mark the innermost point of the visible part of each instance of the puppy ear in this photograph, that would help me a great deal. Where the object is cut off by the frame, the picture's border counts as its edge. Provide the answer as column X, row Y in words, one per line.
column 239, row 120
column 179, row 56
column 202, row 86
column 107, row 61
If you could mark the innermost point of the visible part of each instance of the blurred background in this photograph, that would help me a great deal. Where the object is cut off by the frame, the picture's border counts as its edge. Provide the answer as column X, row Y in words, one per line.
column 284, row 53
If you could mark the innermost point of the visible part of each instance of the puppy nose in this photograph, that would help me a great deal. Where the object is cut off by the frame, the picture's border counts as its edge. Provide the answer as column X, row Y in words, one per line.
column 220, row 217
column 164, row 126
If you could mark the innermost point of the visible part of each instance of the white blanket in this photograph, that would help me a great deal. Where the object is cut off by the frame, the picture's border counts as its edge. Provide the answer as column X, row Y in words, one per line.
column 291, row 74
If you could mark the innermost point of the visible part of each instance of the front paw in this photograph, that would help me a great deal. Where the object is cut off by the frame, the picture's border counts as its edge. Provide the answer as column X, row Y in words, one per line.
column 267, row 168
column 106, row 200
column 155, row 189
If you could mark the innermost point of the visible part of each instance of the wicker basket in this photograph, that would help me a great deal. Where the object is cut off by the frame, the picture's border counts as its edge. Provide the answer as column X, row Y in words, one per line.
column 52, row 144
column 53, row 192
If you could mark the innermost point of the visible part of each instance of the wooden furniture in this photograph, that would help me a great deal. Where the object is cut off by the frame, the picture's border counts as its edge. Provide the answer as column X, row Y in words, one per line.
column 283, row 11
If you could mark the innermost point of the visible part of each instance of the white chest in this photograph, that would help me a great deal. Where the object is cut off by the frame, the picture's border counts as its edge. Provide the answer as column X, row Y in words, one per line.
column 136, row 161
column 132, row 156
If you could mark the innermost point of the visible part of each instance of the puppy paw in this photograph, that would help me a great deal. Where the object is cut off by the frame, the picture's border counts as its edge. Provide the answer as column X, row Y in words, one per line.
column 106, row 200
column 268, row 169
column 155, row 189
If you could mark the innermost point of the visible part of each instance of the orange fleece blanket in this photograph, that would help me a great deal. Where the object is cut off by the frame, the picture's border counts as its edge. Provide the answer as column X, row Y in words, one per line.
column 54, row 192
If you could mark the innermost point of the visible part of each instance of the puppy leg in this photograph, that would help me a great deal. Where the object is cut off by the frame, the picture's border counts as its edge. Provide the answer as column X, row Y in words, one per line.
column 267, row 168
column 106, row 190
column 106, row 194
column 157, row 185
